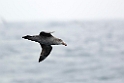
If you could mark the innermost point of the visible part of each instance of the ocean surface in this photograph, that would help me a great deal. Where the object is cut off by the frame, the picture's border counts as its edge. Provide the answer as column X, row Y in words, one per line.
column 95, row 53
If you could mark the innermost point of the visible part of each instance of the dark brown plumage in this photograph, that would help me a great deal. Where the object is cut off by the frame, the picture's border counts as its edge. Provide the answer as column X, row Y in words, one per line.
column 46, row 40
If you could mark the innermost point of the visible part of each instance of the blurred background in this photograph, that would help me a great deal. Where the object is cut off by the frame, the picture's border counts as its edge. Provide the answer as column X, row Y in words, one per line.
column 93, row 30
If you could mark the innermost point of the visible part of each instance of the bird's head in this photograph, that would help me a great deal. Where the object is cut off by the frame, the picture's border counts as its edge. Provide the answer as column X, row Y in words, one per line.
column 60, row 42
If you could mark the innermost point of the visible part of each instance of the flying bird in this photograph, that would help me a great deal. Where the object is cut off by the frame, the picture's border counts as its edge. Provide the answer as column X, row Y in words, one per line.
column 46, row 40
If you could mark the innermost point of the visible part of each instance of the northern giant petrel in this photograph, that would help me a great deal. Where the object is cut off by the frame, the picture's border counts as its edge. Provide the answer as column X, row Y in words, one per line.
column 46, row 40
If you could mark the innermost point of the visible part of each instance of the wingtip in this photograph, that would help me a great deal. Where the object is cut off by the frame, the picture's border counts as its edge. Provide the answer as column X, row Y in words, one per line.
column 23, row 37
column 26, row 37
column 39, row 61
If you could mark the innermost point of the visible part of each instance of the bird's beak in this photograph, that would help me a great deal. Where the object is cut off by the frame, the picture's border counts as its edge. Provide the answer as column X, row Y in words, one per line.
column 64, row 44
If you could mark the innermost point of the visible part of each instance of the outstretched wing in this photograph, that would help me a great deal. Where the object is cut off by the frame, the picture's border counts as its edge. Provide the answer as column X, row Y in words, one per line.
column 46, row 49
column 46, row 34
column 35, row 38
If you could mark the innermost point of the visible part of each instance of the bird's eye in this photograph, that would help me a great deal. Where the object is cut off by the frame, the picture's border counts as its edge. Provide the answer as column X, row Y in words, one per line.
column 59, row 39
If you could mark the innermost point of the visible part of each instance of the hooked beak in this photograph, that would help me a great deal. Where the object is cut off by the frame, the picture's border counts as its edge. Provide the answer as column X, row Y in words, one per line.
column 64, row 44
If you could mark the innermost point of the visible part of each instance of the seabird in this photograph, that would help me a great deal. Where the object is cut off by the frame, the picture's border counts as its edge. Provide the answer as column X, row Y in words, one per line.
column 46, row 40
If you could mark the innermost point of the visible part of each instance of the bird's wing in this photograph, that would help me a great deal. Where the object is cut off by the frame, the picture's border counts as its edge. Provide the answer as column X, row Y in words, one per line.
column 45, row 34
column 46, row 49
column 35, row 38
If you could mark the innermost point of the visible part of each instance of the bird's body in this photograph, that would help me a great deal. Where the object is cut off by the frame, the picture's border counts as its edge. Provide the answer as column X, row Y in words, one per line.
column 46, row 40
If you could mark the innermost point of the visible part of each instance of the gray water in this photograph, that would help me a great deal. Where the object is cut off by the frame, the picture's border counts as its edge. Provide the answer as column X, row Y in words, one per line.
column 95, row 53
